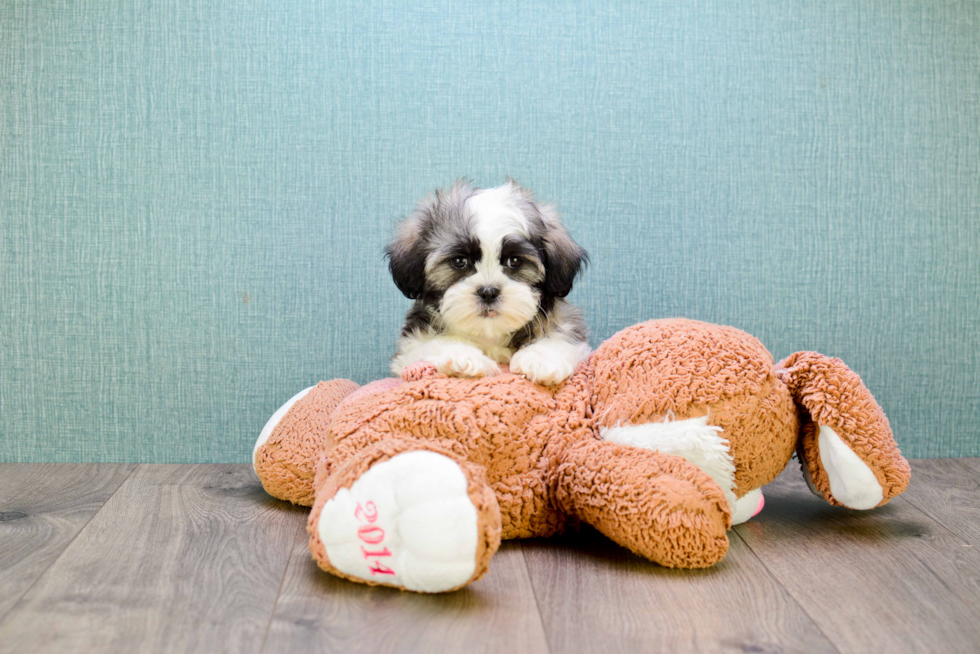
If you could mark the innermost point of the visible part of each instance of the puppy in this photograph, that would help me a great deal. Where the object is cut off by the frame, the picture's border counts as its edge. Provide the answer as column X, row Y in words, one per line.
column 488, row 270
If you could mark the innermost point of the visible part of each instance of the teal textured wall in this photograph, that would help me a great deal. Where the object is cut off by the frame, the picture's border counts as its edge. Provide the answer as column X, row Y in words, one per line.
column 194, row 195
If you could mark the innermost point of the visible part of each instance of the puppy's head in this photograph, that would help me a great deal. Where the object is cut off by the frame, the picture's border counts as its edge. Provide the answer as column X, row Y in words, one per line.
column 488, row 260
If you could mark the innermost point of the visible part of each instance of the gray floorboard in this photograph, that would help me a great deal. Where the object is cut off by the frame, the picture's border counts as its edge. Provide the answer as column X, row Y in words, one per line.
column 948, row 490
column 592, row 592
column 43, row 506
column 321, row 613
column 185, row 558
column 182, row 558
column 888, row 580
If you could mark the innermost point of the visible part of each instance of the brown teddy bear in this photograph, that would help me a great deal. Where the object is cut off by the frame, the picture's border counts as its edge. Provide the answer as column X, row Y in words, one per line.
column 661, row 440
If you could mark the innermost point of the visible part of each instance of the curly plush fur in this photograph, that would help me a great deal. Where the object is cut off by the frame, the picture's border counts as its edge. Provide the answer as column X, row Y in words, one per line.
column 703, row 417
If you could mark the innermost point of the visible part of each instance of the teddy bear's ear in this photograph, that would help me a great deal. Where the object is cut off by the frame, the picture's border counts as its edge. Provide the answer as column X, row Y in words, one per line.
column 564, row 258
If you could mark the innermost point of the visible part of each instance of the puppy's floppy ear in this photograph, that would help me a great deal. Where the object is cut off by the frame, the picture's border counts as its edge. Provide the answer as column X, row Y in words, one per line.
column 406, row 261
column 564, row 257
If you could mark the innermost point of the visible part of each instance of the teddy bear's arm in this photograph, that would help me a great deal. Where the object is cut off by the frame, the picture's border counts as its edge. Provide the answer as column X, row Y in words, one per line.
column 658, row 505
column 294, row 438
column 846, row 447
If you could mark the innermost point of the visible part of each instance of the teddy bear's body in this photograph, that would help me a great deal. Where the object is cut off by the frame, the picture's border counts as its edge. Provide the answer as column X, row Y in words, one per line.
column 667, row 431
column 500, row 423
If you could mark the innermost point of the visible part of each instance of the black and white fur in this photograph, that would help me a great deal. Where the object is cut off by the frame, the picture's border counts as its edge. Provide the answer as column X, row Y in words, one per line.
column 488, row 270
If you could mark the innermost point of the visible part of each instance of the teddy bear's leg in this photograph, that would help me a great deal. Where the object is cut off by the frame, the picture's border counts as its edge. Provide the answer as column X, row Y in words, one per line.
column 658, row 505
column 404, row 514
column 846, row 447
column 287, row 450
column 694, row 440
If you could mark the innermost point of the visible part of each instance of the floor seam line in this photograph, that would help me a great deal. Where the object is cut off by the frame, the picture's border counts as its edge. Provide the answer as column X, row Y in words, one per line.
column 788, row 591
column 534, row 594
column 282, row 582
column 932, row 518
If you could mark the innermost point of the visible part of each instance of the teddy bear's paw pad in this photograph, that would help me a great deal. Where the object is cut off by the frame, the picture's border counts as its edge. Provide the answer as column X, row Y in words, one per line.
column 747, row 507
column 270, row 425
column 406, row 522
column 852, row 482
column 459, row 360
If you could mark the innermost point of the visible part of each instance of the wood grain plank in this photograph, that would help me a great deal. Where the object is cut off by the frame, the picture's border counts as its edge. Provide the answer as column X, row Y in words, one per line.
column 887, row 580
column 43, row 506
column 317, row 612
column 948, row 490
column 182, row 558
column 596, row 596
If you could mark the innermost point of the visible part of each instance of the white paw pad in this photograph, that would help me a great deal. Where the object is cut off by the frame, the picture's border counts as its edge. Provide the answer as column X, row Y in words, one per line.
column 748, row 506
column 405, row 522
column 852, row 482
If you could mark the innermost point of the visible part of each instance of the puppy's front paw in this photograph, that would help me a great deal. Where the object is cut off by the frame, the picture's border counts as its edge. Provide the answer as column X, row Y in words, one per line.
column 459, row 360
column 541, row 365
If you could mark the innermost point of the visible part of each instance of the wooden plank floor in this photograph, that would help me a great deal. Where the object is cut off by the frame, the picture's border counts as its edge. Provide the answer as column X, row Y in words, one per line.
column 187, row 558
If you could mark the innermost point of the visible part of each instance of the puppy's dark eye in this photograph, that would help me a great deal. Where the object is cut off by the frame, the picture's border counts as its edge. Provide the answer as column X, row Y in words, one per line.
column 513, row 262
column 459, row 263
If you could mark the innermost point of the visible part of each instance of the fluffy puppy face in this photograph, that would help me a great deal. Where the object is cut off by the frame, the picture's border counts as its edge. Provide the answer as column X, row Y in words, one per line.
column 483, row 262
column 490, row 279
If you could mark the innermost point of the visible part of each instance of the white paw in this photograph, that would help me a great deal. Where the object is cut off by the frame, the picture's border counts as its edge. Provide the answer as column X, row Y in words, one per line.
column 852, row 482
column 542, row 365
column 459, row 360
column 747, row 506
column 407, row 521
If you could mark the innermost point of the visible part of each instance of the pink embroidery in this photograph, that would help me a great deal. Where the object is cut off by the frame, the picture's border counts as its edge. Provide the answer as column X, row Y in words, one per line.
column 372, row 534
column 369, row 512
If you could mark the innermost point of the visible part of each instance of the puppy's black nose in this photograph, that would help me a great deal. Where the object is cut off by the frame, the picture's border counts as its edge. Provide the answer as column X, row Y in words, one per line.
column 488, row 293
